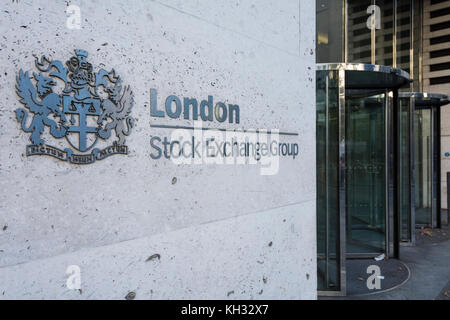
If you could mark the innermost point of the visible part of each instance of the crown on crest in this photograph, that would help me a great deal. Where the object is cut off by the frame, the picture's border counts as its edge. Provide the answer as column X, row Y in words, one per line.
column 81, row 54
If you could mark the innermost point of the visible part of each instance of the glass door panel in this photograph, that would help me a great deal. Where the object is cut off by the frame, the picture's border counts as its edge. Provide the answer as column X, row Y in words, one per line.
column 423, row 167
column 328, row 239
column 366, row 174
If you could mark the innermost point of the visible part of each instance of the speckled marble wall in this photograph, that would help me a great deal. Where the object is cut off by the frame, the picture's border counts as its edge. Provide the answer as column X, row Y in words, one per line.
column 213, row 231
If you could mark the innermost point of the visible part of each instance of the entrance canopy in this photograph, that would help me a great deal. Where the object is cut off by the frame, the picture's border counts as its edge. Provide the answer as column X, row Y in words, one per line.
column 424, row 100
column 368, row 76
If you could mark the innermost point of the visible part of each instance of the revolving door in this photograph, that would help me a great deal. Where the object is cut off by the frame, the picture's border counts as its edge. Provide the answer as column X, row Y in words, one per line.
column 427, row 158
column 356, row 156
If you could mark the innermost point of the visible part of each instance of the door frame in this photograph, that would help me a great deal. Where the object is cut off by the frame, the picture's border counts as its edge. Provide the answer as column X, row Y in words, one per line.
column 390, row 232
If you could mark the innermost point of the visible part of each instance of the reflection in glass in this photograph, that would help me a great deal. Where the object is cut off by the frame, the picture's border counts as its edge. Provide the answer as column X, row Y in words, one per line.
column 359, row 35
column 416, row 46
column 384, row 53
column 329, row 25
column 327, row 181
column 404, row 35
column 423, row 168
column 366, row 31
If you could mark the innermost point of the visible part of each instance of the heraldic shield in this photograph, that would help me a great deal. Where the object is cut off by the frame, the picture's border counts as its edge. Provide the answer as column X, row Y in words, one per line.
column 90, row 107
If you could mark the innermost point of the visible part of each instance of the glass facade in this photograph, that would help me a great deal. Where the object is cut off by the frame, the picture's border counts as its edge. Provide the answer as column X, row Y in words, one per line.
column 383, row 32
column 404, row 35
column 378, row 149
column 330, row 31
column 359, row 36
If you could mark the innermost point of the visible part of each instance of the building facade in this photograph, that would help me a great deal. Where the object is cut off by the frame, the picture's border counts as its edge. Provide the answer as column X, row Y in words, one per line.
column 382, row 158
column 413, row 35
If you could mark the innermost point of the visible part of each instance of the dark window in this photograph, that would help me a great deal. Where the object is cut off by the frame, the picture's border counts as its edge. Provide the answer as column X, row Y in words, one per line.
column 405, row 8
column 403, row 46
column 359, row 32
column 436, row 1
column 357, row 9
column 404, row 34
column 403, row 21
column 440, row 66
column 440, row 12
column 440, row 53
column 388, row 62
column 439, row 40
column 440, row 80
column 360, row 55
column 404, row 59
column 359, row 20
column 440, row 26
column 388, row 25
column 388, row 13
column 362, row 43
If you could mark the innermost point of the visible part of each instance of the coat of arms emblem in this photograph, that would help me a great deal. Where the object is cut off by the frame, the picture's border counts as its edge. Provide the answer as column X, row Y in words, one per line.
column 90, row 108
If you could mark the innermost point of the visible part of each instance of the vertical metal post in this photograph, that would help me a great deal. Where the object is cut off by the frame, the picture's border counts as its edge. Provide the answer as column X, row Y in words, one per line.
column 387, row 120
column 433, row 168
column 438, row 167
column 342, row 182
column 421, row 46
column 373, row 41
column 345, row 29
column 411, row 46
column 395, row 171
column 327, row 214
column 448, row 198
column 412, row 108
column 394, row 34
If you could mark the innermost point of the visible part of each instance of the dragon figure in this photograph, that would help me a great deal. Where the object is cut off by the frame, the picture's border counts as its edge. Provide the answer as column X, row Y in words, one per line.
column 41, row 102
column 117, row 106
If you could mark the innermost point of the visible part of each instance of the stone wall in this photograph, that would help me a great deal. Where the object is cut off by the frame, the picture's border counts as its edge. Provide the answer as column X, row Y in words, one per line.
column 135, row 224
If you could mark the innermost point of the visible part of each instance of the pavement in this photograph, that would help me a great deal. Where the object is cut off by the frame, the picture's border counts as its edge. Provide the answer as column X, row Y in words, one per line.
column 428, row 264
column 393, row 272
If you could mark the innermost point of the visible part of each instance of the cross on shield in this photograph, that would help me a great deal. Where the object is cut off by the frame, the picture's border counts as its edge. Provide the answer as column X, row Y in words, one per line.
column 82, row 109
